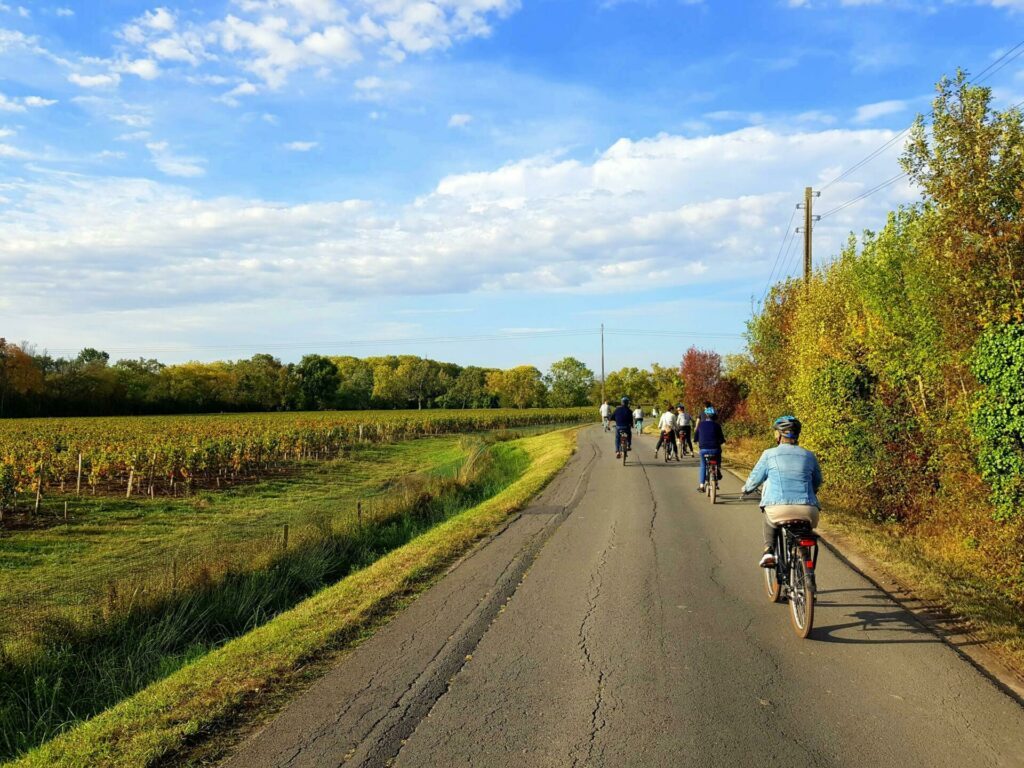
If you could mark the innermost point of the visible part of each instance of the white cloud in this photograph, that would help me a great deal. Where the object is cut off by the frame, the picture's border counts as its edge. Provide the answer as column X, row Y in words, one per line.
column 134, row 120
column 65, row 12
column 95, row 81
column 242, row 89
column 869, row 112
column 9, row 104
column 161, row 19
column 459, row 120
column 374, row 88
column 147, row 69
column 173, row 49
column 6, row 150
column 662, row 210
column 301, row 146
column 38, row 101
column 173, row 165
column 271, row 39
column 134, row 136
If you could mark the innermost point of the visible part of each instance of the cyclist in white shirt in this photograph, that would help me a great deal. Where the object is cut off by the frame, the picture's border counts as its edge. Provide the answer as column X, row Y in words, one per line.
column 605, row 413
column 667, row 430
column 638, row 420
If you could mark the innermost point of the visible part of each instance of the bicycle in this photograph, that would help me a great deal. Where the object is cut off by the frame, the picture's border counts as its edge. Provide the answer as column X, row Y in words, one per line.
column 681, row 443
column 624, row 441
column 792, row 578
column 711, row 478
column 668, row 440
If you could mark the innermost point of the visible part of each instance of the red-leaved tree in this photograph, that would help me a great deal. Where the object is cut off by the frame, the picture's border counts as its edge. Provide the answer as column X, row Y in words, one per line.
column 701, row 372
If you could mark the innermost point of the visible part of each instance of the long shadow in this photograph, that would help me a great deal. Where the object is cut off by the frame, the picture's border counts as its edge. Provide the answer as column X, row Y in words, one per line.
column 870, row 622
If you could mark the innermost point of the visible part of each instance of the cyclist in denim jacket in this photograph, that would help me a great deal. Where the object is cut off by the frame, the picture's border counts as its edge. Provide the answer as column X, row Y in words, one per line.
column 791, row 477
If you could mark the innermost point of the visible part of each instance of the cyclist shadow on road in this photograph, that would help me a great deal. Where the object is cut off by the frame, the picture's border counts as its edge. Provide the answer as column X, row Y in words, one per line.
column 873, row 626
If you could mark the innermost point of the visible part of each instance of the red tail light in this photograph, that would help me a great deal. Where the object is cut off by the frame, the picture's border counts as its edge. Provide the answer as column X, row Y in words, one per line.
column 808, row 542
column 809, row 564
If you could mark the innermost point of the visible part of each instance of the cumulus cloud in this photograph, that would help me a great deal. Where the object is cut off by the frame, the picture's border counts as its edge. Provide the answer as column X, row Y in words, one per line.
column 14, row 104
column 301, row 146
column 271, row 39
column 147, row 69
column 459, row 120
column 95, row 81
column 662, row 209
column 869, row 112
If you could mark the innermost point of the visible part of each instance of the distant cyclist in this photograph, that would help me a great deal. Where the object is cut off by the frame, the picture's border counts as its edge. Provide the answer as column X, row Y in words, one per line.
column 638, row 420
column 605, row 413
column 684, row 427
column 623, row 418
column 791, row 477
column 666, row 432
column 710, row 440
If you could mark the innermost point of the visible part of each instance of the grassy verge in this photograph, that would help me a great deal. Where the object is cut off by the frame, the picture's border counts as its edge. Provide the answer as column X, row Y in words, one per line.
column 62, row 663
column 166, row 716
column 938, row 562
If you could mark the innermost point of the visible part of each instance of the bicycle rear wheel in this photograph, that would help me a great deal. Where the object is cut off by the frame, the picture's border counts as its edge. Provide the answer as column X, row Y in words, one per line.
column 771, row 584
column 801, row 598
column 714, row 490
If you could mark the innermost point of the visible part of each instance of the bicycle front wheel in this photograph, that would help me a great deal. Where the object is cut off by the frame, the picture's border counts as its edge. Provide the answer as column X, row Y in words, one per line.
column 801, row 598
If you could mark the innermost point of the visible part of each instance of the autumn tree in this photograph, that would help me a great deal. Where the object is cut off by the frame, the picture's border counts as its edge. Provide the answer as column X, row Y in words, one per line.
column 521, row 387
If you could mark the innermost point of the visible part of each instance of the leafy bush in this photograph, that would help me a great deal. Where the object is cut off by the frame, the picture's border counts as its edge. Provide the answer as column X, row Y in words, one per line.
column 998, row 417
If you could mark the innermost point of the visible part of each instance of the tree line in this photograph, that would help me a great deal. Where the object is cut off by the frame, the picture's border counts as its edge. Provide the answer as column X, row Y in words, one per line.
column 37, row 384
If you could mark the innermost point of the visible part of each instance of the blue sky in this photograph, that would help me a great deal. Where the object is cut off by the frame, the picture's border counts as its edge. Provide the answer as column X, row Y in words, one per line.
column 203, row 180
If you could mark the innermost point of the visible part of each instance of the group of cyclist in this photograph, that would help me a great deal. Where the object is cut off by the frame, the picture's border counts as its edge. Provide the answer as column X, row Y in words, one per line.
column 788, row 475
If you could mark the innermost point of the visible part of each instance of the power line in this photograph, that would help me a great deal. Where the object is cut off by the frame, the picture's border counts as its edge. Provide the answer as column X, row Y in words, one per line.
column 787, row 233
column 1006, row 59
column 868, row 159
column 362, row 343
column 788, row 259
column 1019, row 48
column 848, row 203
column 671, row 334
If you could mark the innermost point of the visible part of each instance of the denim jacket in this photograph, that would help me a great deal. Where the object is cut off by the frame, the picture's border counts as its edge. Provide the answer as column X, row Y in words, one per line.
column 791, row 475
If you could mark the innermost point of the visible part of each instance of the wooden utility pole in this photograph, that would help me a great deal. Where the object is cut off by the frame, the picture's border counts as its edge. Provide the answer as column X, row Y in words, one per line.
column 808, row 230
column 602, row 362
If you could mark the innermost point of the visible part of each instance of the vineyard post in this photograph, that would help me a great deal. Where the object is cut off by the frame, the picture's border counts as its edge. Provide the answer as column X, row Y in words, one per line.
column 131, row 480
column 65, row 511
column 39, row 485
column 78, row 483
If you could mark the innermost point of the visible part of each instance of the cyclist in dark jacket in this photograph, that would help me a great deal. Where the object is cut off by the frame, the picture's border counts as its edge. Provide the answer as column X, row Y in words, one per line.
column 710, row 438
column 623, row 418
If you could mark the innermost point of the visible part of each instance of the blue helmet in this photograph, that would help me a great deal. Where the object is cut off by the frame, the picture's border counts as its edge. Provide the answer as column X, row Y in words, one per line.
column 710, row 411
column 625, row 401
column 788, row 426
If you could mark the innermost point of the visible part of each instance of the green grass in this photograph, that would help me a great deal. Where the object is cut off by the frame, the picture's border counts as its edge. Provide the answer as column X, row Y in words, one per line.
column 182, row 708
column 73, row 661
column 122, row 540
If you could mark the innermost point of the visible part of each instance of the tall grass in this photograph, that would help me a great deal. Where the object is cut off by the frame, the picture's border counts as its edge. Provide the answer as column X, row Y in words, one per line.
column 71, row 670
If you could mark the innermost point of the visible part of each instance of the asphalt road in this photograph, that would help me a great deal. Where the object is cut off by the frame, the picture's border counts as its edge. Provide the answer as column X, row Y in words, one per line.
column 621, row 621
